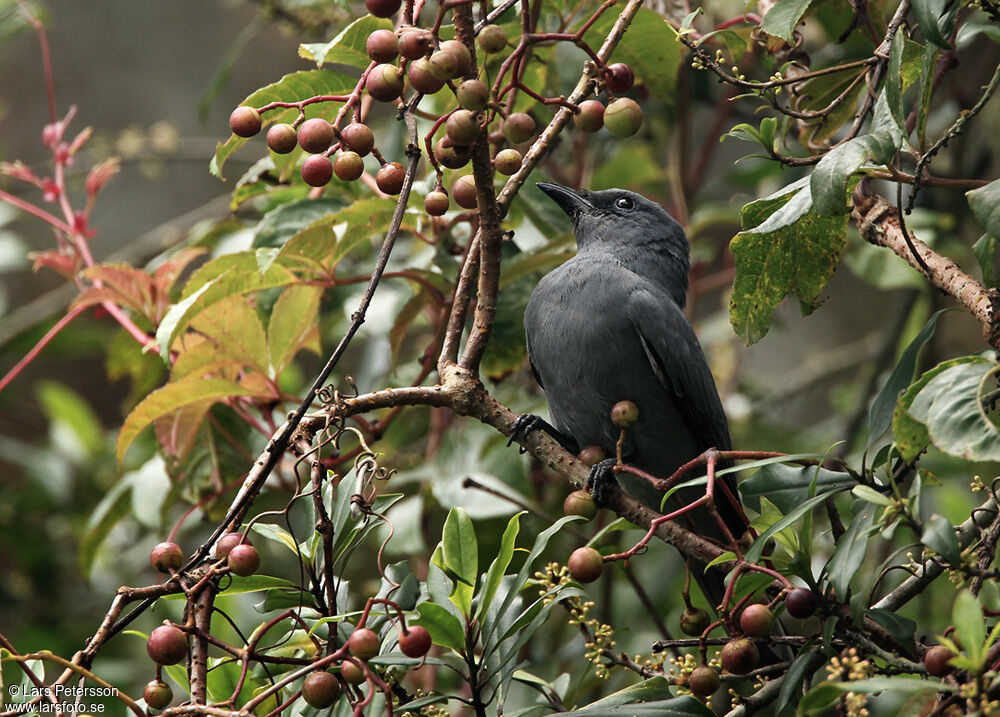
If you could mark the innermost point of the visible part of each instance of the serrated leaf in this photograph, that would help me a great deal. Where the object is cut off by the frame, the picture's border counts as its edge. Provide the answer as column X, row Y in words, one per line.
column 909, row 433
column 348, row 47
column 235, row 328
column 169, row 398
column 290, row 88
column 292, row 326
column 287, row 220
column 445, row 628
column 789, row 250
column 939, row 535
column 783, row 17
column 176, row 319
column 950, row 406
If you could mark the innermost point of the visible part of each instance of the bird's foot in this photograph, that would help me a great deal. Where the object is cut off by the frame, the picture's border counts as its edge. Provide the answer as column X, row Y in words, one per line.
column 602, row 477
column 528, row 422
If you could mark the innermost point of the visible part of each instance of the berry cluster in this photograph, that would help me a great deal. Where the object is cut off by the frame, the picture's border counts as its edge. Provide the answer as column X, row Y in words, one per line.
column 413, row 61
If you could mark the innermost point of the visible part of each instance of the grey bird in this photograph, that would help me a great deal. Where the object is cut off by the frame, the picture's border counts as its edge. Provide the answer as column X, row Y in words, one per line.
column 608, row 325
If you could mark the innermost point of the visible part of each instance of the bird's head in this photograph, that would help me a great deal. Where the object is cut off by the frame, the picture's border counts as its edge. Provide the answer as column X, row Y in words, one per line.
column 637, row 230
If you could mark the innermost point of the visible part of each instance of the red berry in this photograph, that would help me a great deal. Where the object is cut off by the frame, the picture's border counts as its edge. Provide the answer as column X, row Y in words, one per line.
column 473, row 95
column 462, row 127
column 167, row 645
column 358, row 138
column 694, row 621
column 348, row 166
column 590, row 118
column 624, row 414
column 390, row 178
column 415, row 642
column 507, row 161
column 585, row 565
column 351, row 673
column 244, row 121
column 166, row 557
column 801, row 603
column 492, row 38
column 581, row 503
column 591, row 456
column 229, row 541
column 436, row 203
column 464, row 192
column 383, row 8
column 157, row 694
column 936, row 661
column 739, row 656
column 619, row 78
column 382, row 46
column 704, row 681
column 463, row 58
column 451, row 155
column 414, row 43
column 320, row 689
column 364, row 643
column 244, row 559
column 623, row 117
column 443, row 65
column 422, row 79
column 282, row 138
column 756, row 620
column 317, row 170
column 315, row 135
column 518, row 127
column 384, row 83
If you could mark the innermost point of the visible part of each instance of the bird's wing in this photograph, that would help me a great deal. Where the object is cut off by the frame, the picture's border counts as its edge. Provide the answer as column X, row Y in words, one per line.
column 679, row 363
column 531, row 361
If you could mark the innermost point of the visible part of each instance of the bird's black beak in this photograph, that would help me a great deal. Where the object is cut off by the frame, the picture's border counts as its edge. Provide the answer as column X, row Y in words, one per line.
column 570, row 201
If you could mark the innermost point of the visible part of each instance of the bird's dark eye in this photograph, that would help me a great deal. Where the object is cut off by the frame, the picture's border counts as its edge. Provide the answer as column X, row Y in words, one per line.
column 624, row 203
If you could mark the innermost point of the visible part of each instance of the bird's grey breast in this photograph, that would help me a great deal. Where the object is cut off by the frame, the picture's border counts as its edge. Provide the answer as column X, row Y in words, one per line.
column 589, row 354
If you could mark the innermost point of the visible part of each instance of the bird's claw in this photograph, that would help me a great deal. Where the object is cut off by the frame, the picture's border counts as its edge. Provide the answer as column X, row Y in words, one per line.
column 602, row 476
column 523, row 425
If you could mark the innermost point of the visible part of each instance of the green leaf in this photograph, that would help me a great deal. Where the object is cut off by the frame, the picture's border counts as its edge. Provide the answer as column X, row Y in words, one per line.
column 290, row 88
column 65, row 407
column 939, row 535
column 347, row 48
column 789, row 250
column 950, row 406
column 461, row 556
column 831, row 179
column 910, row 434
column 172, row 397
column 985, row 205
column 277, row 534
column 287, row 220
column 820, row 697
column 935, row 19
column 499, row 565
column 686, row 706
column 292, row 325
column 791, row 683
column 788, row 485
column 970, row 627
column 901, row 628
column 176, row 318
column 655, row 688
column 754, row 553
column 650, row 47
column 445, row 629
column 882, row 408
column 723, row 558
column 782, row 18
column 870, row 495
column 894, row 80
column 851, row 549
column 114, row 505
column 253, row 584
